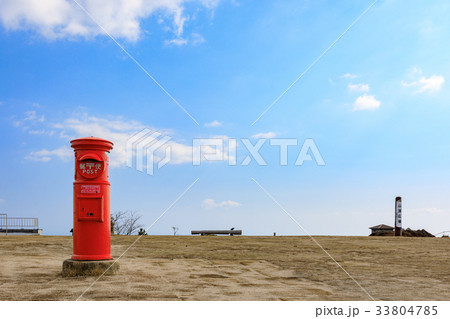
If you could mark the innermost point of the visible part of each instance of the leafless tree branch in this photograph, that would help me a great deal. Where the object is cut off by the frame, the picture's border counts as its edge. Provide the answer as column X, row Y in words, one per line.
column 125, row 222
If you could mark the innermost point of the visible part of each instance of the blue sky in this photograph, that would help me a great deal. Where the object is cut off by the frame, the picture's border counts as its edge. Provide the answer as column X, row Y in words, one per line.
column 376, row 105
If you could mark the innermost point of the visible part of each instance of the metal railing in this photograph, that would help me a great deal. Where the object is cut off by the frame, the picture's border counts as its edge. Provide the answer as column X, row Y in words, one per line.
column 17, row 223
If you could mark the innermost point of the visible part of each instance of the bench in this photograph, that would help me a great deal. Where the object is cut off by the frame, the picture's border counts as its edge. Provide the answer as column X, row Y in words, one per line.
column 230, row 232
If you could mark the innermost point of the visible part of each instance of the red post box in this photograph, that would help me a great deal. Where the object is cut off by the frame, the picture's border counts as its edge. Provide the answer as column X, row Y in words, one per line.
column 91, row 198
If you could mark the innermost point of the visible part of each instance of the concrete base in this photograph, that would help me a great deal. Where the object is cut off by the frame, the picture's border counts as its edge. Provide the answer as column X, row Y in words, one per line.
column 72, row 268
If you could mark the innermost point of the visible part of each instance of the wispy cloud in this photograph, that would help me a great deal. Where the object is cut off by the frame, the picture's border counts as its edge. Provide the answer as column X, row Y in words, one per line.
column 359, row 87
column 423, row 84
column 349, row 76
column 210, row 203
column 41, row 132
column 113, row 128
column 194, row 39
column 366, row 102
column 213, row 124
column 116, row 129
column 30, row 117
column 2, row 200
column 265, row 135
column 177, row 41
column 64, row 153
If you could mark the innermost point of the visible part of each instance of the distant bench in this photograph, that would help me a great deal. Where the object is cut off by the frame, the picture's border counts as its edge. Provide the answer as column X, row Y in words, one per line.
column 216, row 232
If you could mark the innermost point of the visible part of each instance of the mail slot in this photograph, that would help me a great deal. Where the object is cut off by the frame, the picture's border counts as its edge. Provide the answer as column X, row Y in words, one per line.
column 91, row 200
column 90, row 208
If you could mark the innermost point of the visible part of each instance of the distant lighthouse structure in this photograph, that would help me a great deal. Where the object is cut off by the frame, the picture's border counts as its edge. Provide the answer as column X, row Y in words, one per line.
column 398, row 216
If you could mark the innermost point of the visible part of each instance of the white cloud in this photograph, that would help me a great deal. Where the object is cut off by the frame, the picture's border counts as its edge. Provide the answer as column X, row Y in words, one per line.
column 414, row 71
column 115, row 129
column 422, row 83
column 359, row 87
column 211, row 204
column 366, row 102
column 180, row 153
column 349, row 76
column 118, row 130
column 213, row 124
column 194, row 39
column 265, row 135
column 64, row 153
column 426, row 84
column 41, row 132
column 229, row 204
column 30, row 117
column 55, row 19
column 431, row 84
column 177, row 41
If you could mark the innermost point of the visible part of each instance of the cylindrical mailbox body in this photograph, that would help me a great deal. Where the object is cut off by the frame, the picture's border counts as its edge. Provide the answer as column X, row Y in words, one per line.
column 91, row 198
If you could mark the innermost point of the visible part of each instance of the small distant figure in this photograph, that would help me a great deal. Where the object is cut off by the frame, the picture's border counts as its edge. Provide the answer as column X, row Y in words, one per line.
column 71, row 231
column 274, row 233
column 231, row 231
column 142, row 232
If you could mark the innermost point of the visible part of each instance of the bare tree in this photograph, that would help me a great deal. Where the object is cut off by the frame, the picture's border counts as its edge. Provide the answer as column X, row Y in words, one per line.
column 117, row 222
column 125, row 222
column 175, row 229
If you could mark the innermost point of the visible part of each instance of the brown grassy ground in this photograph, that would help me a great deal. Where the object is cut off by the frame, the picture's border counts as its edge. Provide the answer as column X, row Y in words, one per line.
column 233, row 268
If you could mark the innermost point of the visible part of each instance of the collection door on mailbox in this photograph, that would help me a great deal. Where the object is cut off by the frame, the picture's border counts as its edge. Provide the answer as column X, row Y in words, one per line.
column 91, row 200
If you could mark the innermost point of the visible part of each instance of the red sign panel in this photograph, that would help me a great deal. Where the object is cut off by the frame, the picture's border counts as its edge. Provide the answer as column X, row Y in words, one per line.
column 90, row 189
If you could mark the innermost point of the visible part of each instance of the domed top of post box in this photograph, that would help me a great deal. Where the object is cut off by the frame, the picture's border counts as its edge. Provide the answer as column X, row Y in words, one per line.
column 91, row 143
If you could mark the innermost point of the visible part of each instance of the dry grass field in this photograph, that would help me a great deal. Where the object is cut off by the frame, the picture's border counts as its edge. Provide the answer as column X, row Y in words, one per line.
column 233, row 268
